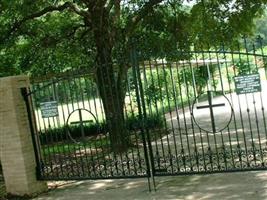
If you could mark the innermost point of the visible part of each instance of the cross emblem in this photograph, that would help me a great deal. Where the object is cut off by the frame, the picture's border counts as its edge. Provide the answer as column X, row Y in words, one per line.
column 211, row 106
column 81, row 122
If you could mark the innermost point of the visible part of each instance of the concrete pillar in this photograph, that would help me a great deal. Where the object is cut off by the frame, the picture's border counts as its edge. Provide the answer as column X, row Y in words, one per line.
column 16, row 147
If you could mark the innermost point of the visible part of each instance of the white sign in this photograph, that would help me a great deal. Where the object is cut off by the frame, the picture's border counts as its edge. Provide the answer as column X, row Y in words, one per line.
column 49, row 109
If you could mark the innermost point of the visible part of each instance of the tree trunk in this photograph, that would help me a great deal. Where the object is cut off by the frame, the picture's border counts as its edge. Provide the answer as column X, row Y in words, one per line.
column 113, row 102
column 110, row 82
column 199, row 89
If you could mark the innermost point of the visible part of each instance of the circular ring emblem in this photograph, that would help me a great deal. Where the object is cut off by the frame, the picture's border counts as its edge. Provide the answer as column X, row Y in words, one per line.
column 212, row 111
column 77, row 122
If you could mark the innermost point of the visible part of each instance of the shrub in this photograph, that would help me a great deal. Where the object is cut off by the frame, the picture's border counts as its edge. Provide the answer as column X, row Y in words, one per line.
column 151, row 122
column 62, row 133
column 132, row 123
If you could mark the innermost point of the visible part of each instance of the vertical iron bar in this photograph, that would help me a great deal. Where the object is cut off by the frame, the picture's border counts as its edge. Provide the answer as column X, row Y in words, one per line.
column 211, row 112
column 25, row 96
column 135, row 65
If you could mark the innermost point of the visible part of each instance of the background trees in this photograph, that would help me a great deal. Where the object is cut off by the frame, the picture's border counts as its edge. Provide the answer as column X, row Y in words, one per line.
column 52, row 36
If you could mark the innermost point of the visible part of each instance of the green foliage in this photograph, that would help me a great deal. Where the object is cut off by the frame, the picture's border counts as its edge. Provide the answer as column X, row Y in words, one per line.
column 261, row 28
column 41, row 37
column 45, row 45
column 132, row 123
column 245, row 68
column 202, row 74
column 160, row 85
column 151, row 122
column 59, row 40
column 95, row 142
column 165, row 84
column 155, row 86
column 265, row 63
column 62, row 133
column 201, row 77
column 69, row 90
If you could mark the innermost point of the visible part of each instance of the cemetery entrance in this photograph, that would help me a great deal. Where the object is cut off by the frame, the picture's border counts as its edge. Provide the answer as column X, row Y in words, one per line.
column 202, row 111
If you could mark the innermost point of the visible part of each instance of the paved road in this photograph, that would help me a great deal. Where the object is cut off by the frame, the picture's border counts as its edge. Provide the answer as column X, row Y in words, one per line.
column 231, row 186
column 248, row 122
column 239, row 104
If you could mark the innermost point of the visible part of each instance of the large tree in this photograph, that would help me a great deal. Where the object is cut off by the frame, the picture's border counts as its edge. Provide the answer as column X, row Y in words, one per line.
column 50, row 35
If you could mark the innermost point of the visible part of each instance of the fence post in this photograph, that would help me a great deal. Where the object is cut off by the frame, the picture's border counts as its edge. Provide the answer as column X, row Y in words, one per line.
column 16, row 145
column 142, row 113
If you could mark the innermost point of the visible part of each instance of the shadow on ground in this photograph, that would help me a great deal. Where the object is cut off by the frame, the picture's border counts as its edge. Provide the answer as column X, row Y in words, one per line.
column 246, row 185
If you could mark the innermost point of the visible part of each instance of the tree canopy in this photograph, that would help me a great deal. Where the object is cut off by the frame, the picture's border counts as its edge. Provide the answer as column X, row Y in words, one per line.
column 261, row 28
column 46, row 36
column 54, row 35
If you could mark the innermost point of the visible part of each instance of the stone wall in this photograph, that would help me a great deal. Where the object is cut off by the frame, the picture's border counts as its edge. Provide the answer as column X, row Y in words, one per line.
column 16, row 147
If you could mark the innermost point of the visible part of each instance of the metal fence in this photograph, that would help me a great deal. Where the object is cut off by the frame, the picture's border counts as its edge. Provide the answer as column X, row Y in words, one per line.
column 214, row 112
column 200, row 111
column 72, row 133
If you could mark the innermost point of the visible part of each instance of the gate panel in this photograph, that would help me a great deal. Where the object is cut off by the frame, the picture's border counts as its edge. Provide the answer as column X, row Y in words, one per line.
column 214, row 110
column 202, row 111
column 73, row 136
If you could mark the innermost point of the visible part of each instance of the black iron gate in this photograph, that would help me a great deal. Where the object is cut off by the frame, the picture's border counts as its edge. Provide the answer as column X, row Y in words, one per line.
column 214, row 112
column 72, row 139
column 201, row 111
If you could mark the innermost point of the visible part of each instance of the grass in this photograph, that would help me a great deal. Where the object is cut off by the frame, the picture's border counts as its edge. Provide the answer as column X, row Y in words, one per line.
column 63, row 147
column 93, row 139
